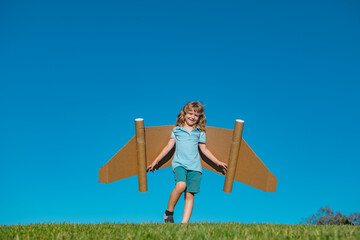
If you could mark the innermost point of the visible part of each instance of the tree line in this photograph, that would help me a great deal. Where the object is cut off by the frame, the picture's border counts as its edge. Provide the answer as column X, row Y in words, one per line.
column 326, row 216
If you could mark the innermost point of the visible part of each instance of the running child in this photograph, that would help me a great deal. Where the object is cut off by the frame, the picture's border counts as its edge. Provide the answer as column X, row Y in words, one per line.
column 188, row 135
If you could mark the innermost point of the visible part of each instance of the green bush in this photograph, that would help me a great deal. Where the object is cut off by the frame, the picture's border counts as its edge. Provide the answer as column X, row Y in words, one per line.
column 326, row 216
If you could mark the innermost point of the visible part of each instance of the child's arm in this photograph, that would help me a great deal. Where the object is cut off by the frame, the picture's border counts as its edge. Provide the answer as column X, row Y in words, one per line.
column 210, row 156
column 162, row 154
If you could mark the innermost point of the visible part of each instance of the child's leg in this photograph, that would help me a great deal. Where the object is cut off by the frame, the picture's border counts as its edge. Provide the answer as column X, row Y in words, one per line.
column 189, row 204
column 175, row 195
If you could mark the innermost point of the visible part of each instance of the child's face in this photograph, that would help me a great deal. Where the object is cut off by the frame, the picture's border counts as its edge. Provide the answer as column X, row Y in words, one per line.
column 191, row 118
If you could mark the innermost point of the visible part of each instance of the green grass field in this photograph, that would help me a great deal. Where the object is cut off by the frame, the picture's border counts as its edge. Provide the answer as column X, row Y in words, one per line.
column 177, row 231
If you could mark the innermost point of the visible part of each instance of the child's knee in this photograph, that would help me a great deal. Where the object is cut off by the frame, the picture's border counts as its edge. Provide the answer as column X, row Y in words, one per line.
column 189, row 195
column 180, row 186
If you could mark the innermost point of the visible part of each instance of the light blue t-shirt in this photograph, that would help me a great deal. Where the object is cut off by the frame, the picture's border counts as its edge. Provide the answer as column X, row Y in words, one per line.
column 186, row 148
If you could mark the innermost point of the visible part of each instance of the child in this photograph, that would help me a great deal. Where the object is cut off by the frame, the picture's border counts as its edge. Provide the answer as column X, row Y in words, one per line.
column 189, row 135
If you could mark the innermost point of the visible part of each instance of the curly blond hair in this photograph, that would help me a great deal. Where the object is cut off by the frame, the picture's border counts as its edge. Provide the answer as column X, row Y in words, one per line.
column 197, row 107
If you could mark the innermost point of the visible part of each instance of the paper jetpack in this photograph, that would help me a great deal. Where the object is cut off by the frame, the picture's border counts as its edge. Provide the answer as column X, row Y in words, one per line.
column 227, row 145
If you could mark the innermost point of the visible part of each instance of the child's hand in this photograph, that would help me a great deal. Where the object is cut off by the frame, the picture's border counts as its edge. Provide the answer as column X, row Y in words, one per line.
column 223, row 165
column 151, row 167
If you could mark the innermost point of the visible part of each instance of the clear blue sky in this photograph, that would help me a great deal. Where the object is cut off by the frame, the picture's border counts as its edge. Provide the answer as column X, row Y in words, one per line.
column 75, row 74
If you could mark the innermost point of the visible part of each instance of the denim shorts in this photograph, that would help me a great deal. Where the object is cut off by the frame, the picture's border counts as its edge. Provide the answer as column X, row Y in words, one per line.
column 191, row 178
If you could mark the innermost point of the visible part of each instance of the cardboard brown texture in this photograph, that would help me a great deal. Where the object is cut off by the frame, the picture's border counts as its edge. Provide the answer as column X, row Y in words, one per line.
column 141, row 153
column 249, row 169
column 233, row 156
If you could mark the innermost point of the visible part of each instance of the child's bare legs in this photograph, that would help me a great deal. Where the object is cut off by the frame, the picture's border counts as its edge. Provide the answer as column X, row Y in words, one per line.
column 189, row 204
column 175, row 195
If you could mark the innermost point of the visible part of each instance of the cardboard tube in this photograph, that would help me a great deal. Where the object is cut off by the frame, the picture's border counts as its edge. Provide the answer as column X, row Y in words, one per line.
column 233, row 156
column 141, row 153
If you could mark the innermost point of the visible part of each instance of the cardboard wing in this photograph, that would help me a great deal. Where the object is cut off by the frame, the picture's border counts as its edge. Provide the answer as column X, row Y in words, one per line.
column 249, row 168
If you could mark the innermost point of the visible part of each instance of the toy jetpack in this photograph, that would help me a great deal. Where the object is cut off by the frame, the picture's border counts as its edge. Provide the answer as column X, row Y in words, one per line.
column 226, row 144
